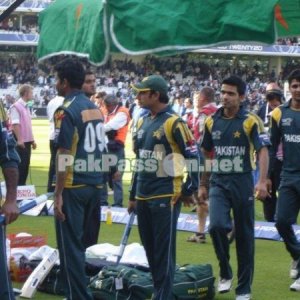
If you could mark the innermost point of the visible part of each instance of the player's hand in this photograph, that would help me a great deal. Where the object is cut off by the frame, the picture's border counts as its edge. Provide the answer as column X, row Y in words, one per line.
column 117, row 176
column 131, row 206
column 33, row 145
column 20, row 145
column 186, row 200
column 269, row 185
column 58, row 203
column 10, row 211
column 261, row 191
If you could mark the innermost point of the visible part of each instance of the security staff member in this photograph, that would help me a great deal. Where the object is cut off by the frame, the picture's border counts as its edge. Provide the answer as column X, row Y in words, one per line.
column 285, row 128
column 116, row 127
column 9, row 160
column 80, row 140
column 161, row 140
column 233, row 134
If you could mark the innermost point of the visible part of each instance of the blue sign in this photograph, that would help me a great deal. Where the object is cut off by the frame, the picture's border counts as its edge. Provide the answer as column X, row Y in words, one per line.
column 272, row 50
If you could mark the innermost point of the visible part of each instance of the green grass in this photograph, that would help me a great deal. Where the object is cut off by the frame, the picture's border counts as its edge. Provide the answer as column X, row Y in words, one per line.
column 271, row 281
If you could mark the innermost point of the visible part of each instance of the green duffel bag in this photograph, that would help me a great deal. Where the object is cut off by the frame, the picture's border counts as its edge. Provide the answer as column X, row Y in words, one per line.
column 120, row 283
column 140, row 286
column 194, row 282
column 103, row 285
column 123, row 282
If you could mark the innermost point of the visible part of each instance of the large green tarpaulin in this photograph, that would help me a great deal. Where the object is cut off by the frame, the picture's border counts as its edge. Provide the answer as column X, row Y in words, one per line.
column 88, row 28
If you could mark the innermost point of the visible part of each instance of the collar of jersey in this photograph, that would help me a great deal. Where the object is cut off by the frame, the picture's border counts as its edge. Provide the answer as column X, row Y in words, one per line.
column 240, row 114
column 166, row 109
column 73, row 94
column 287, row 103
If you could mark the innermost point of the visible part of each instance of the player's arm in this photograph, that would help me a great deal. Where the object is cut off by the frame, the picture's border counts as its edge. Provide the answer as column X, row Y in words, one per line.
column 275, row 138
column 189, row 150
column 206, row 148
column 261, row 143
column 132, row 188
column 15, row 121
column 9, row 165
column 64, row 129
column 132, row 193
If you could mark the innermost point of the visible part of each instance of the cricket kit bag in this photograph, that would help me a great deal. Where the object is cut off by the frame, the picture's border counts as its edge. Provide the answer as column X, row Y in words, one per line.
column 120, row 283
column 53, row 282
column 194, row 282
column 123, row 282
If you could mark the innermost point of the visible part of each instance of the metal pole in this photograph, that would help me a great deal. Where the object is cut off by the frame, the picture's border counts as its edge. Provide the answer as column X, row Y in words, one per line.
column 10, row 9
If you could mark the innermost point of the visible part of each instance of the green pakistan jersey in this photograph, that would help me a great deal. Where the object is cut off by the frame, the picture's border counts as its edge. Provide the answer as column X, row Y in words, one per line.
column 79, row 128
column 8, row 154
column 162, row 144
column 285, row 128
column 233, row 141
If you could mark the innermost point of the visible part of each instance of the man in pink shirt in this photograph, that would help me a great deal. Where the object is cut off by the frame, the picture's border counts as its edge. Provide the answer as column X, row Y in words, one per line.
column 20, row 119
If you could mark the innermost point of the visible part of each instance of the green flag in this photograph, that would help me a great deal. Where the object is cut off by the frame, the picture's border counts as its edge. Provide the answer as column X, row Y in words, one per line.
column 85, row 27
column 149, row 26
column 287, row 15
column 73, row 27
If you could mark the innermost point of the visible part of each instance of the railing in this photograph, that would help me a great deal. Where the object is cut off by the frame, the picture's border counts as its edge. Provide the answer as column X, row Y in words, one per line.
column 18, row 38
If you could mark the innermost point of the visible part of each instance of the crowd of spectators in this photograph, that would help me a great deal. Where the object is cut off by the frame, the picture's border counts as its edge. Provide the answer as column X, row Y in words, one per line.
column 26, row 25
column 17, row 70
column 290, row 41
column 185, row 73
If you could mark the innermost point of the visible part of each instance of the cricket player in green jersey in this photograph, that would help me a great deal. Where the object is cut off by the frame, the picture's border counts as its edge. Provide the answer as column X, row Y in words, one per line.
column 285, row 129
column 9, row 160
column 161, row 142
column 230, row 138
column 80, row 140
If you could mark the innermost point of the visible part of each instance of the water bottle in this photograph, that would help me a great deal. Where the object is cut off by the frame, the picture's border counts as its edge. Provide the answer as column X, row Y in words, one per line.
column 8, row 253
column 108, row 216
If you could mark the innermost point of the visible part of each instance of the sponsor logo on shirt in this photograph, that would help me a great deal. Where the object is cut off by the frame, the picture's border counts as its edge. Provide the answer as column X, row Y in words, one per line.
column 140, row 133
column 230, row 150
column 216, row 135
column 287, row 122
column 151, row 154
column 264, row 139
column 292, row 138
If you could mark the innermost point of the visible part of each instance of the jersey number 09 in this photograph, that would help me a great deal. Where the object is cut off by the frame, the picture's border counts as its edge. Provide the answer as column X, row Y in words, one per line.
column 94, row 137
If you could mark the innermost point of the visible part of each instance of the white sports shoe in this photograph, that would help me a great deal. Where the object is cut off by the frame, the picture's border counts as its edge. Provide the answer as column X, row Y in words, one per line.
column 294, row 269
column 224, row 285
column 243, row 297
column 295, row 286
